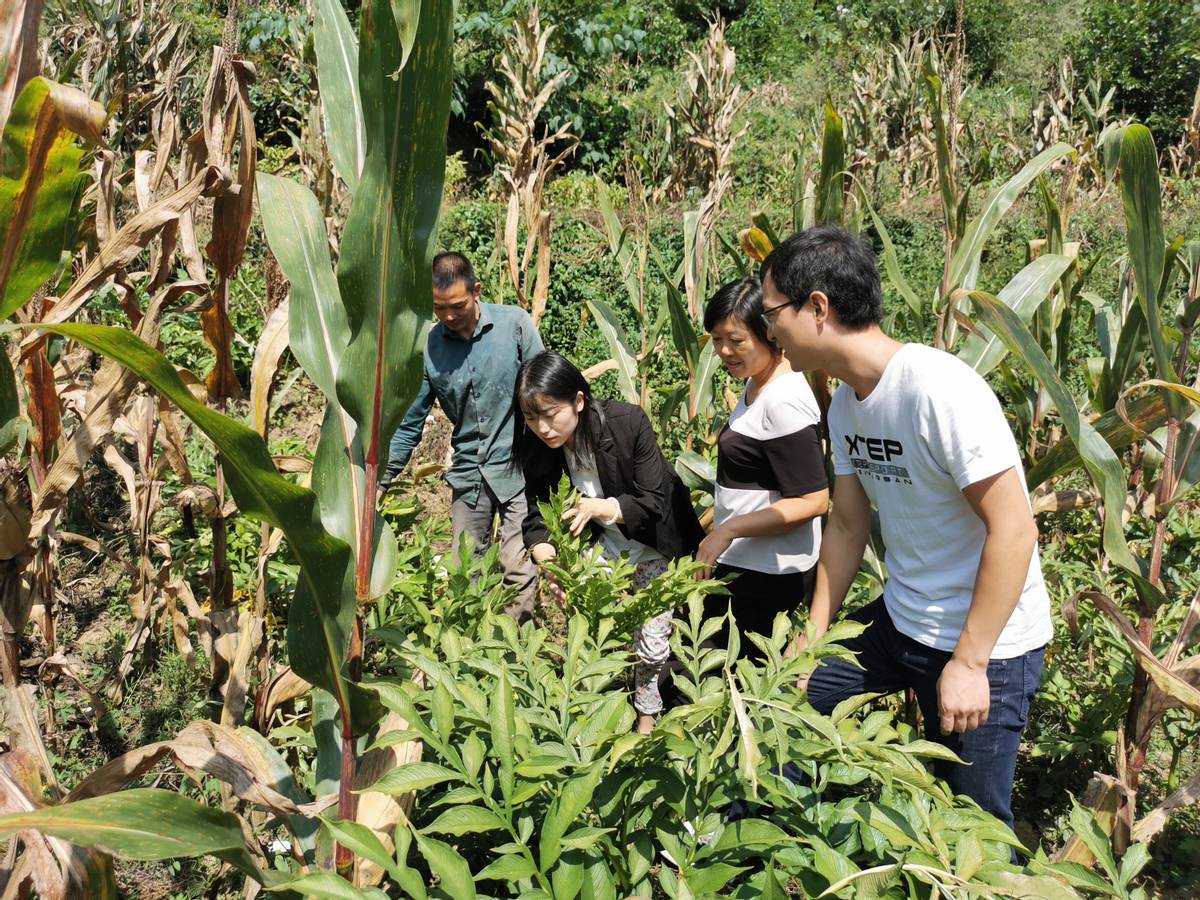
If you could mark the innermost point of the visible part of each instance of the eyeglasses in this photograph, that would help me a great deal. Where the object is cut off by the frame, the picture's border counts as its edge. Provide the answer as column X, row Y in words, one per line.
column 769, row 312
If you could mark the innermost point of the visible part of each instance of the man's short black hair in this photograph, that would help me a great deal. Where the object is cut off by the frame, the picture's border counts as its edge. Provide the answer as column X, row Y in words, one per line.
column 831, row 260
column 451, row 268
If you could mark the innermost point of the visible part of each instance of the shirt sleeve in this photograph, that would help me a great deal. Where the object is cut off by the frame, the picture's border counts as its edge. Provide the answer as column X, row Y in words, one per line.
column 966, row 432
column 408, row 435
column 647, row 502
column 796, row 462
column 841, row 458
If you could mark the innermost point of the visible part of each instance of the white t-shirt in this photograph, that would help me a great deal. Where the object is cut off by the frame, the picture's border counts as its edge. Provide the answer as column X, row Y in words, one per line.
column 931, row 427
column 771, row 449
column 586, row 480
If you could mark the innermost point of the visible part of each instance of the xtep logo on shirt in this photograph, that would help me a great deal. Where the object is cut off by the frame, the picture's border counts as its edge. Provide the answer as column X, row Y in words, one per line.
column 879, row 454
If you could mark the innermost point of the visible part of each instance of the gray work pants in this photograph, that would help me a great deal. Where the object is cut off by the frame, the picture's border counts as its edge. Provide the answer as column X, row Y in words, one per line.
column 514, row 559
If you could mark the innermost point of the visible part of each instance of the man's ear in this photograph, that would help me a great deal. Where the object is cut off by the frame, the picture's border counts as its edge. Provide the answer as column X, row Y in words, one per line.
column 476, row 291
column 819, row 304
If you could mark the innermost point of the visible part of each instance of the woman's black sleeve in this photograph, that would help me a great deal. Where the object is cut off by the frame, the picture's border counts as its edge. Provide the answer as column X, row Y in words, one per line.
column 647, row 502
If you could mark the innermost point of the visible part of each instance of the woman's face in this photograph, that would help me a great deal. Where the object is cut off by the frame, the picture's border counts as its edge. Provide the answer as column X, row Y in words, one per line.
column 743, row 353
column 553, row 421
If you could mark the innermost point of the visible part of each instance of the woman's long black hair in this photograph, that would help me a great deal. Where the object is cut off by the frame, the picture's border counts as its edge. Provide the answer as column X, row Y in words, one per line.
column 556, row 378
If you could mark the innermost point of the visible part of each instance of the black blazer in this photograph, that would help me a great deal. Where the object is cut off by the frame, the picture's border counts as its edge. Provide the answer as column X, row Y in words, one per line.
column 655, row 504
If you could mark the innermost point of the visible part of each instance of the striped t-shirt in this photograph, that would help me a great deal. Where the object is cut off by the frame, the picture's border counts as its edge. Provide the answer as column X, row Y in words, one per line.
column 771, row 449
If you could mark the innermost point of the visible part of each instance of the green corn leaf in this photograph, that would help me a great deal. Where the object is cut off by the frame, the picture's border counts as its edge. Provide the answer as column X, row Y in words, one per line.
column 610, row 327
column 891, row 263
column 1099, row 459
column 966, row 256
column 1142, row 199
column 833, row 164
column 1147, row 413
column 140, row 823
column 933, row 88
column 407, row 14
column 40, row 183
column 10, row 406
column 319, row 620
column 1023, row 294
column 387, row 245
column 337, row 78
column 763, row 223
column 683, row 332
column 318, row 334
column 703, row 395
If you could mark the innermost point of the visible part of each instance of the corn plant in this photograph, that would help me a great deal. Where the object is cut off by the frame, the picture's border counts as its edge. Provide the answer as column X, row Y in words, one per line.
column 1160, row 683
column 524, row 158
column 357, row 334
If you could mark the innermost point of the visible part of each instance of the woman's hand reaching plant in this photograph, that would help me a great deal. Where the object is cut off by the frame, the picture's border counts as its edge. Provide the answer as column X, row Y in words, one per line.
column 714, row 544
column 603, row 509
column 545, row 552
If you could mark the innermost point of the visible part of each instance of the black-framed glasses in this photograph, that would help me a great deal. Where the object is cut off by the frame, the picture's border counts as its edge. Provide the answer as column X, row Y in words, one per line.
column 769, row 312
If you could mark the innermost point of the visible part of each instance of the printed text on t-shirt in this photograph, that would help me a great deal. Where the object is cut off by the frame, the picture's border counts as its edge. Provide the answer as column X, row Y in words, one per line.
column 881, row 452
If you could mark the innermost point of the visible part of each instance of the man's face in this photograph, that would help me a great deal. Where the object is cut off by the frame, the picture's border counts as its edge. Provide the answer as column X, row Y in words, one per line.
column 457, row 307
column 789, row 325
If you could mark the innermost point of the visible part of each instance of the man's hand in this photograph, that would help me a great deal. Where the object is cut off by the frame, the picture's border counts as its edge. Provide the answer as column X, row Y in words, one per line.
column 964, row 696
column 587, row 509
column 714, row 544
column 798, row 644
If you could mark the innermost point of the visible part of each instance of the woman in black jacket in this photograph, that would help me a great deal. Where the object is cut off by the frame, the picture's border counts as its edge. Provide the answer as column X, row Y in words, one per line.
column 632, row 500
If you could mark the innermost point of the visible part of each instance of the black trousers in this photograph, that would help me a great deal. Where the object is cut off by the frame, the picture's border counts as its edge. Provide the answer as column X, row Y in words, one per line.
column 756, row 599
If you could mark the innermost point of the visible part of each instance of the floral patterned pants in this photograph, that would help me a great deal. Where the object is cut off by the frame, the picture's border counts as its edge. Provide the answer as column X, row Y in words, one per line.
column 652, row 643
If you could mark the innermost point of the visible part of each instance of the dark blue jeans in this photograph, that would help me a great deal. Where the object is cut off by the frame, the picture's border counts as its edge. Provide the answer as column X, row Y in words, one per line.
column 892, row 661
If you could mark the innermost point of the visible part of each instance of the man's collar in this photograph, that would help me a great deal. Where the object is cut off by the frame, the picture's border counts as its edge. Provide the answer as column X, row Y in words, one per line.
column 485, row 322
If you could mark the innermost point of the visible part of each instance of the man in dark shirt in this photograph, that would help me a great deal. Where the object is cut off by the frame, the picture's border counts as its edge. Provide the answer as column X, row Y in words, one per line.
column 471, row 359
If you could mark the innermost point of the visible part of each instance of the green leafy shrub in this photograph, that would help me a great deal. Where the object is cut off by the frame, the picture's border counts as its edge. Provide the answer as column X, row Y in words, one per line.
column 533, row 785
column 1148, row 49
column 600, row 589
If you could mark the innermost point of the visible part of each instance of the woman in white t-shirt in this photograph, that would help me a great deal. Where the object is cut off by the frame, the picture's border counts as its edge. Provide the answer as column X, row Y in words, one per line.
column 771, row 483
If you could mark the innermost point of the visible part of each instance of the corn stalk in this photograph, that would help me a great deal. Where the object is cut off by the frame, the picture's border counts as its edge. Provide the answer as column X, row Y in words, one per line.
column 526, row 154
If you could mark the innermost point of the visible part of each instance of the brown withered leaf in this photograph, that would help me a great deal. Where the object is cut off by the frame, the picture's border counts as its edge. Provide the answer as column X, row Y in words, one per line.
column 43, row 409
column 271, row 344
column 129, row 241
column 284, row 687
column 1151, row 825
column 105, row 401
column 201, row 747
column 19, row 31
column 228, row 119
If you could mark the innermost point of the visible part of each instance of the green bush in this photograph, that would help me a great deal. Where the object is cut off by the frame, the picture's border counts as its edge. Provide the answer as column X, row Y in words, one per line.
column 1148, row 49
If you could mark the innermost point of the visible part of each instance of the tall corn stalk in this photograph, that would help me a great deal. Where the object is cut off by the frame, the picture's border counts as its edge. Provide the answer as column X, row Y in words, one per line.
column 701, row 131
column 357, row 332
column 527, row 154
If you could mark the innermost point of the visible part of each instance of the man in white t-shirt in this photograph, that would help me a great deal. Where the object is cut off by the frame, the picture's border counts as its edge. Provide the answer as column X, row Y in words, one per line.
column 917, row 434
